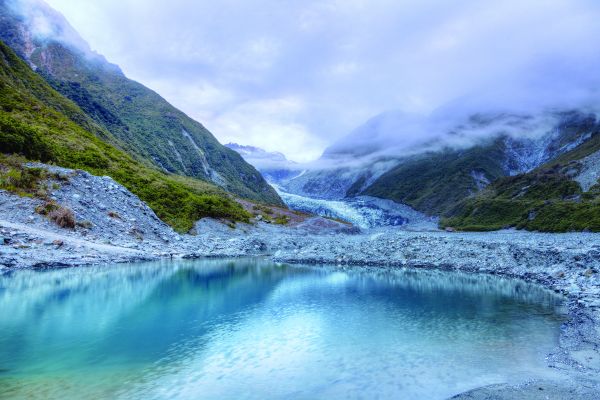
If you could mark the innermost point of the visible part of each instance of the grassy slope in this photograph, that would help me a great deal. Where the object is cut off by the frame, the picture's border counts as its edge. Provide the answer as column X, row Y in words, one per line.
column 147, row 124
column 433, row 183
column 545, row 199
column 39, row 123
column 142, row 123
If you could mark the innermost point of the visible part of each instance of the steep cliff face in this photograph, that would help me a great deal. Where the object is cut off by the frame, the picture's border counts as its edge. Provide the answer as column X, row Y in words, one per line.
column 140, row 121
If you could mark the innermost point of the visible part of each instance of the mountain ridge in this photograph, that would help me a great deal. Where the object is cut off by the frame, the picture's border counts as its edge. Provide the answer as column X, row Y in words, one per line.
column 41, row 125
column 142, row 122
column 438, row 179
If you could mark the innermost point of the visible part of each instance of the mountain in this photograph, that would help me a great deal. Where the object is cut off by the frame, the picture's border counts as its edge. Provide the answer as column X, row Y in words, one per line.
column 274, row 166
column 435, row 181
column 376, row 134
column 42, row 125
column 140, row 121
column 561, row 195
column 433, row 164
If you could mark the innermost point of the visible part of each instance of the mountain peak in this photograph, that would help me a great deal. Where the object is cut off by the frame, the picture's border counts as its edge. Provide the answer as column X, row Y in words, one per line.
column 142, row 122
column 257, row 153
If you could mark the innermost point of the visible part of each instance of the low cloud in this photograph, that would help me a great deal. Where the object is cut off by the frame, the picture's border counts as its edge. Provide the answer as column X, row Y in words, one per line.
column 296, row 76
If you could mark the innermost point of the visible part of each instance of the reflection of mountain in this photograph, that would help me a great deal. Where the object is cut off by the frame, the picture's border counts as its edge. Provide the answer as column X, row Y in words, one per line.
column 142, row 310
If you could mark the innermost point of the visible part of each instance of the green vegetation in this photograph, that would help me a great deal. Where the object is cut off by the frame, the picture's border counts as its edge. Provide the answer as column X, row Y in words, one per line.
column 259, row 208
column 25, row 182
column 145, row 125
column 126, row 114
column 434, row 182
column 546, row 199
column 40, row 124
column 281, row 220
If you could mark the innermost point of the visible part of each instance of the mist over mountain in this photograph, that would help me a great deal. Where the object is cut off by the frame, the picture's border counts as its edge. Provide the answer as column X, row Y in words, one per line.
column 444, row 157
column 274, row 166
column 139, row 119
column 298, row 77
column 490, row 113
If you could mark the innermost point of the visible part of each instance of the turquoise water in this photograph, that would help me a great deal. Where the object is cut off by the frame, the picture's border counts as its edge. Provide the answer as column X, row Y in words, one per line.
column 249, row 329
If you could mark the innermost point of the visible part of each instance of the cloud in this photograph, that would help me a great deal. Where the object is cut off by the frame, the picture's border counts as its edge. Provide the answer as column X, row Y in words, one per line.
column 270, row 125
column 47, row 23
column 294, row 76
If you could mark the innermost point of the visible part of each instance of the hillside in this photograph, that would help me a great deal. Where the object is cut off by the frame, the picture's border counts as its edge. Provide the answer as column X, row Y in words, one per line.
column 452, row 161
column 559, row 196
column 40, row 124
column 141, row 122
column 434, row 182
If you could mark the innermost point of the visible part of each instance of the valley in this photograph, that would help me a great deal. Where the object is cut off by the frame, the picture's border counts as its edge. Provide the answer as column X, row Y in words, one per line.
column 476, row 221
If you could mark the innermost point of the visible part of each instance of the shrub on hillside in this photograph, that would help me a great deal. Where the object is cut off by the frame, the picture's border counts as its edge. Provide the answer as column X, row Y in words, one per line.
column 63, row 217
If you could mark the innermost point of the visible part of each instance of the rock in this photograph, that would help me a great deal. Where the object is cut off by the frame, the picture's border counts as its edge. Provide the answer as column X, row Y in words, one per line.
column 589, row 273
column 58, row 243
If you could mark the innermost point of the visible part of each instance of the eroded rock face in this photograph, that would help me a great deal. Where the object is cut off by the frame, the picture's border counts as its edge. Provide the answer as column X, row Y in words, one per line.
column 589, row 172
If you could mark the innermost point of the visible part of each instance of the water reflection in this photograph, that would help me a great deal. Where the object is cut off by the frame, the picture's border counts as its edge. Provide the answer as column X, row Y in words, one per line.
column 252, row 329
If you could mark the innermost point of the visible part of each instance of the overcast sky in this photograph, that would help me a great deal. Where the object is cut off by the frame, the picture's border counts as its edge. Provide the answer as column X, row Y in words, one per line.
column 295, row 75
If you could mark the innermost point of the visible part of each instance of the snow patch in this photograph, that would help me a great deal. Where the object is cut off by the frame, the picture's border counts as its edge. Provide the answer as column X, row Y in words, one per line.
column 480, row 179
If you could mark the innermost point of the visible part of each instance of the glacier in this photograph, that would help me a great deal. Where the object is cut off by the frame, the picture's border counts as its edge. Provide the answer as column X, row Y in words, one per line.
column 364, row 212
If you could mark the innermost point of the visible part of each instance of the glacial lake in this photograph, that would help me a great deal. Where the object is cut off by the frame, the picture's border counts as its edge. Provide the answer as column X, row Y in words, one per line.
column 252, row 329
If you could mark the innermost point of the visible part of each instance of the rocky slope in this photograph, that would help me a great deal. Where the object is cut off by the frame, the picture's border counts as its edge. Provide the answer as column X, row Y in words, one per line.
column 111, row 224
column 40, row 124
column 560, row 195
column 140, row 121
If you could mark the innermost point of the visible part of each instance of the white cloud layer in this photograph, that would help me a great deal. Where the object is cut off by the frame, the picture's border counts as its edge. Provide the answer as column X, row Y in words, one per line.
column 295, row 75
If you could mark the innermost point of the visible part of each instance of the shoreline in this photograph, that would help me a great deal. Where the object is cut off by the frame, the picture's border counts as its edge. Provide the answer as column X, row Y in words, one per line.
column 578, row 354
column 571, row 269
column 578, row 350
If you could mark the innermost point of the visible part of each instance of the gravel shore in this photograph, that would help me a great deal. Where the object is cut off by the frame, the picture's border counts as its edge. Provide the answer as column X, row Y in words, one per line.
column 568, row 264
column 120, row 228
